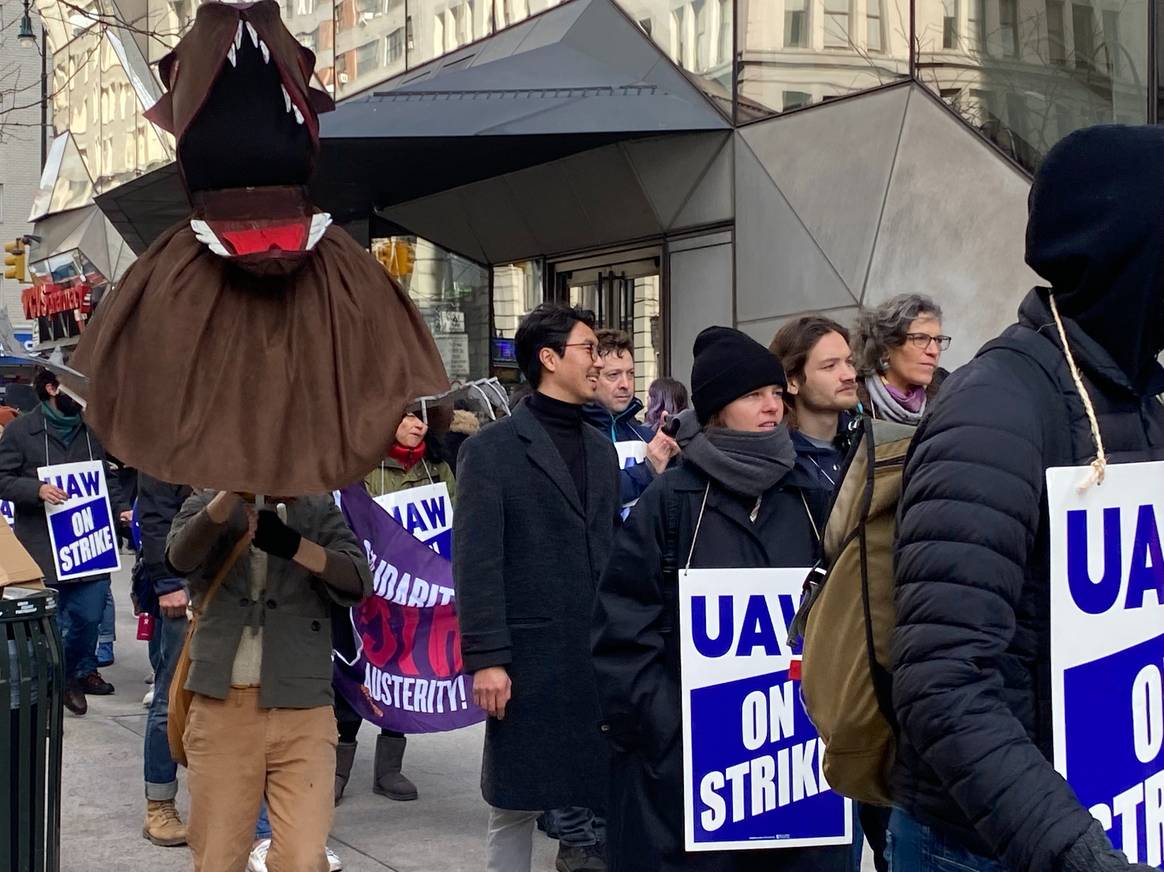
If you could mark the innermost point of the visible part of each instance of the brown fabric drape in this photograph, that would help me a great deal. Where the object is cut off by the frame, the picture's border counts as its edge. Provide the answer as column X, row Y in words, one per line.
column 207, row 375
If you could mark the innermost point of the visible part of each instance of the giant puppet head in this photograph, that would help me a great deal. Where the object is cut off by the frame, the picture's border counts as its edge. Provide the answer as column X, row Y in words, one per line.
column 240, row 103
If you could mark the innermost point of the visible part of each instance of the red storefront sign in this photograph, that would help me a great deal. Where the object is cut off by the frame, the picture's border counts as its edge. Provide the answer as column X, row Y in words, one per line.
column 42, row 301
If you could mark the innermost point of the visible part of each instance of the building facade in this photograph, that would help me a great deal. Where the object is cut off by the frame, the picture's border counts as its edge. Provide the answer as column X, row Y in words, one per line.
column 20, row 151
column 668, row 163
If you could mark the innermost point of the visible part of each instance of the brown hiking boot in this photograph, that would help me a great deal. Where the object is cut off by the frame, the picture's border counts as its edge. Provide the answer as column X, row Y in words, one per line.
column 162, row 824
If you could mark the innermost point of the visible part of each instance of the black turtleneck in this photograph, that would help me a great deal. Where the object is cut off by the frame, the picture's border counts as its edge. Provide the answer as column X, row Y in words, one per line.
column 563, row 422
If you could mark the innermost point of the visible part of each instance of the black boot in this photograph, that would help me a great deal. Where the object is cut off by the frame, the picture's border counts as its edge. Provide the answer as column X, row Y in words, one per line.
column 345, row 755
column 389, row 781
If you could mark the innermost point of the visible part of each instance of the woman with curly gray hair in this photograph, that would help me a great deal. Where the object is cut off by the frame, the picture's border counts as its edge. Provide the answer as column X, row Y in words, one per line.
column 897, row 347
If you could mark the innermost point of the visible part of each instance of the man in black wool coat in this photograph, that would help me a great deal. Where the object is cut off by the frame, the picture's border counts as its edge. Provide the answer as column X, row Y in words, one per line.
column 537, row 508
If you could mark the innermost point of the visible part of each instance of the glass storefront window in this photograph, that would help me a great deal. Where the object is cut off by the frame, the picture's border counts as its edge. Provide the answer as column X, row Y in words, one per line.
column 795, row 53
column 625, row 293
column 517, row 289
column 1025, row 73
column 65, row 290
column 452, row 294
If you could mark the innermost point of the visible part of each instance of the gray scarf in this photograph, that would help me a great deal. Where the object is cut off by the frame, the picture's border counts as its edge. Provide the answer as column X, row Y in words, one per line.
column 745, row 463
column 885, row 406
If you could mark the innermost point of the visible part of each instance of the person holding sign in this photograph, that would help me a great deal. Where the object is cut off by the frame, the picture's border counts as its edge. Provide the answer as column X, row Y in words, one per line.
column 736, row 500
column 51, row 464
column 414, row 460
column 261, row 721
column 973, row 782
column 537, row 507
column 642, row 452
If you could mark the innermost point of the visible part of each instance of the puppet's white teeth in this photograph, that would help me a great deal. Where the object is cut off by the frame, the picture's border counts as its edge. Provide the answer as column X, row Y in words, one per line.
column 254, row 34
column 238, row 36
column 205, row 235
column 286, row 99
column 320, row 221
column 298, row 115
column 232, row 56
column 266, row 52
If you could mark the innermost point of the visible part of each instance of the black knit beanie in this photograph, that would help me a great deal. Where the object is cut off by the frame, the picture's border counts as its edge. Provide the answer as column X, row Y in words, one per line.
column 728, row 365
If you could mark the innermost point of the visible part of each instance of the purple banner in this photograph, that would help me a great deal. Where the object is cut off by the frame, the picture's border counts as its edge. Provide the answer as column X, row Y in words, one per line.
column 401, row 669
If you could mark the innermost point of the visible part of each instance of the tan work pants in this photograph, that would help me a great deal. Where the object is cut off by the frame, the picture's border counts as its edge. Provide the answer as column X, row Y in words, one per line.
column 237, row 752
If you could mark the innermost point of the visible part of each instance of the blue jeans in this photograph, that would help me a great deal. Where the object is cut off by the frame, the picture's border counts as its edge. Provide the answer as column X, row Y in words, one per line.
column 81, row 604
column 914, row 847
column 263, row 824
column 161, row 772
column 107, row 631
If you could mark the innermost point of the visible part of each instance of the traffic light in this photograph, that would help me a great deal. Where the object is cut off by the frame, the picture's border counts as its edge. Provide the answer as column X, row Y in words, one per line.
column 403, row 256
column 14, row 260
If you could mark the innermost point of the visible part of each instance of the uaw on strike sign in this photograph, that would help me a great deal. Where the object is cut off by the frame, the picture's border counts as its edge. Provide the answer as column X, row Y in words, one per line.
column 81, row 530
column 753, row 773
column 1107, row 649
column 425, row 512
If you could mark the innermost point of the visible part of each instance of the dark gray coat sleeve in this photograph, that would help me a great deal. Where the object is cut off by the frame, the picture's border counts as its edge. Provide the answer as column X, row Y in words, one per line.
column 626, row 638
column 347, row 577
column 479, row 559
column 193, row 536
column 969, row 517
column 15, row 484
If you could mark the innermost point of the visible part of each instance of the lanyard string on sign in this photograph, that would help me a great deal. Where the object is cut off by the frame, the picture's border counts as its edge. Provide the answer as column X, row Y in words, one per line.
column 88, row 442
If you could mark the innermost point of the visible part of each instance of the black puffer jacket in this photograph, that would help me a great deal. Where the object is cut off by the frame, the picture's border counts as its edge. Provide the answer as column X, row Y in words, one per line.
column 971, row 651
column 158, row 503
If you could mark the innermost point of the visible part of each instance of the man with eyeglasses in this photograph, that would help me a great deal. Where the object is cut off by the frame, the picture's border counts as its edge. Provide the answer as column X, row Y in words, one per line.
column 643, row 453
column 537, row 508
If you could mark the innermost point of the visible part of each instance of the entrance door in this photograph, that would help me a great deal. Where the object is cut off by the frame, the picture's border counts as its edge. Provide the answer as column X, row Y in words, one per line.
column 624, row 290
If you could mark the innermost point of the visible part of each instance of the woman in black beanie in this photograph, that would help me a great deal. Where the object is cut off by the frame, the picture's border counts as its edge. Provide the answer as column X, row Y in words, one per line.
column 737, row 496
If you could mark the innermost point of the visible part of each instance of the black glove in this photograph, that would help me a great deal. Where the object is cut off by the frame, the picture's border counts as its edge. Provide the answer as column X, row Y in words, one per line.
column 275, row 537
column 1092, row 852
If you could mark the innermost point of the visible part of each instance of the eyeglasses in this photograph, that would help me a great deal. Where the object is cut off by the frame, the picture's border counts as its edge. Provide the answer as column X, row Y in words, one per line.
column 923, row 340
column 592, row 347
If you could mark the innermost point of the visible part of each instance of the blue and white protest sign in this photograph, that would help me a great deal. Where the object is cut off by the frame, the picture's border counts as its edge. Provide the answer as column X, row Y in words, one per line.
column 425, row 512
column 81, row 530
column 630, row 453
column 752, row 760
column 1107, row 649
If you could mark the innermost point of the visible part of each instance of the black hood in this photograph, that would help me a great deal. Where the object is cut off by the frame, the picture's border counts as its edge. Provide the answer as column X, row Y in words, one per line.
column 1096, row 234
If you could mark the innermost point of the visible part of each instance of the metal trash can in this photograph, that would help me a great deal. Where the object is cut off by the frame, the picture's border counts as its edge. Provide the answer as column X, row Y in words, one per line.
column 32, row 683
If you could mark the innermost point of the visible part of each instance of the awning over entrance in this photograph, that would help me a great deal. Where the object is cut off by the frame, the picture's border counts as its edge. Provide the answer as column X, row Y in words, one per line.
column 576, row 78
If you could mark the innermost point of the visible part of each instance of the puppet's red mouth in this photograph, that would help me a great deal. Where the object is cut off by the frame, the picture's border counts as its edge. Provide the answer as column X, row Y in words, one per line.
column 257, row 237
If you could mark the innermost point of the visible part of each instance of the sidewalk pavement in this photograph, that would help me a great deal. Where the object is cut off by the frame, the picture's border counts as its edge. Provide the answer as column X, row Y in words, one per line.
column 103, row 797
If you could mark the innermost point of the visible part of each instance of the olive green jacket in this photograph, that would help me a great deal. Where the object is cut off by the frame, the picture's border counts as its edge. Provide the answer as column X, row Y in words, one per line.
column 390, row 477
column 293, row 609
